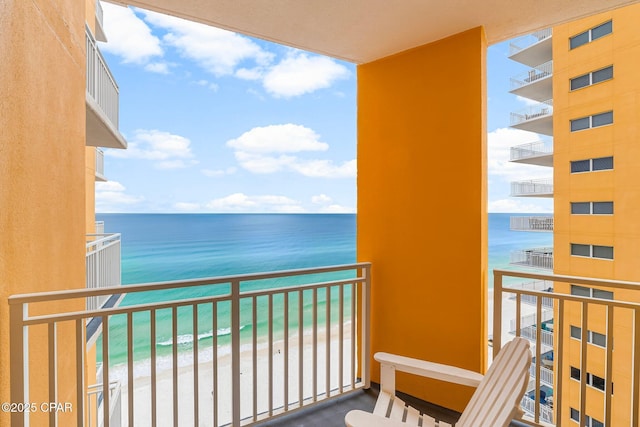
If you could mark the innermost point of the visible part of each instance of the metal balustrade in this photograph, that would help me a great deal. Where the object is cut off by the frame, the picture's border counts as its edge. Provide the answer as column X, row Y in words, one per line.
column 534, row 187
column 528, row 40
column 531, row 223
column 103, row 265
column 305, row 353
column 531, row 149
column 100, row 165
column 536, row 258
column 101, row 84
column 532, row 112
column 533, row 75
column 620, row 320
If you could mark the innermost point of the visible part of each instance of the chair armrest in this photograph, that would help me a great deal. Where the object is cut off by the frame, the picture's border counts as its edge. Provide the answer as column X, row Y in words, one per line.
column 426, row 369
column 358, row 418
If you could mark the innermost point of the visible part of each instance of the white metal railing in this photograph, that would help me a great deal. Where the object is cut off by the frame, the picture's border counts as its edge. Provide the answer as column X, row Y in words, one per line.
column 531, row 149
column 532, row 112
column 583, row 313
column 524, row 42
column 101, row 84
column 531, row 319
column 99, row 13
column 95, row 407
column 103, row 265
column 530, row 333
column 531, row 223
column 536, row 258
column 99, row 162
column 546, row 374
column 546, row 412
column 99, row 227
column 532, row 187
column 533, row 75
column 271, row 343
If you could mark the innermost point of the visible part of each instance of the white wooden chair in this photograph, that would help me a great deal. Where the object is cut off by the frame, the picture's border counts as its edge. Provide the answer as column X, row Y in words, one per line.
column 495, row 402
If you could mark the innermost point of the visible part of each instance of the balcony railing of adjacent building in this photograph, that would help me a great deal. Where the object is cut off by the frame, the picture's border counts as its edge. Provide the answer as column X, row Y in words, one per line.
column 103, row 265
column 256, row 346
column 531, row 223
column 101, row 84
column 99, row 227
column 100, row 165
column 532, row 188
column 546, row 374
column 538, row 285
column 524, row 42
column 536, row 258
column 532, row 112
column 533, row 75
column 524, row 153
column 584, row 313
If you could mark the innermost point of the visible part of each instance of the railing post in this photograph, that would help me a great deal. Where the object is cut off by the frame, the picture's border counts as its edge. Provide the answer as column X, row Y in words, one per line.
column 19, row 361
column 235, row 352
column 497, row 313
column 366, row 324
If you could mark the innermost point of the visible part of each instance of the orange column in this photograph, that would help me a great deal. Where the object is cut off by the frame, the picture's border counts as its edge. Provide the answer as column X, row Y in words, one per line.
column 422, row 217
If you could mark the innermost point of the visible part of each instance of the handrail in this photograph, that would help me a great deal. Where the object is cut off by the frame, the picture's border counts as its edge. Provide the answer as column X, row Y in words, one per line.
column 533, row 75
column 532, row 112
column 530, row 149
column 543, row 186
column 531, row 223
column 101, row 84
column 321, row 317
column 526, row 41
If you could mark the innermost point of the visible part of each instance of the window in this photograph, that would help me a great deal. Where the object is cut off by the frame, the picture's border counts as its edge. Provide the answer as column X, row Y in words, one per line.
column 594, row 338
column 592, row 208
column 593, row 121
column 580, row 166
column 592, row 380
column 590, row 35
column 575, row 415
column 592, row 251
column 590, row 165
column 592, row 78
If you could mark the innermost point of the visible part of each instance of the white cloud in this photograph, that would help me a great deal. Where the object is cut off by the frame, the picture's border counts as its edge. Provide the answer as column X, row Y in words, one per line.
column 210, row 85
column 157, row 67
column 240, row 202
column 337, row 209
column 326, row 169
column 499, row 143
column 218, row 172
column 129, row 37
column 527, row 101
column 169, row 151
column 217, row 51
column 300, row 73
column 186, row 206
column 321, row 199
column 520, row 206
column 111, row 197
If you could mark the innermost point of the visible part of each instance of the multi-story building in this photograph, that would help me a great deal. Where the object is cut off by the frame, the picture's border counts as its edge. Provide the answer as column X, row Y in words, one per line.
column 589, row 66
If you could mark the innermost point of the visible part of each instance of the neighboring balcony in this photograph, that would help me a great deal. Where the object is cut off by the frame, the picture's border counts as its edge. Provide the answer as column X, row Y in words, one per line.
column 103, row 265
column 100, row 165
column 529, row 405
column 539, row 153
column 536, row 285
column 532, row 188
column 531, row 223
column 532, row 49
column 100, row 35
column 536, row 118
column 102, row 100
column 535, row 258
column 536, row 83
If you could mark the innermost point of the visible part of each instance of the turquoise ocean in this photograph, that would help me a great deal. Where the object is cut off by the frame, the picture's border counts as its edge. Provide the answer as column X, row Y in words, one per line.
column 164, row 247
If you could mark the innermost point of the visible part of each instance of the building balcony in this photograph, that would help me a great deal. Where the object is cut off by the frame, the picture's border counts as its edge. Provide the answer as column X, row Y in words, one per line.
column 531, row 223
column 537, row 285
column 532, row 188
column 529, row 406
column 103, row 265
column 535, row 258
column 532, row 49
column 100, row 165
column 536, row 118
column 536, row 83
column 100, row 35
column 539, row 153
column 102, row 100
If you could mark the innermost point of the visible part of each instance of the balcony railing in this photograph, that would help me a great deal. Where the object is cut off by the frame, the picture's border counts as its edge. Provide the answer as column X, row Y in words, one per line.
column 524, row 42
column 101, row 84
column 546, row 375
column 533, row 112
column 217, row 351
column 95, row 407
column 532, row 188
column 99, row 13
column 103, row 265
column 531, row 150
column 531, row 223
column 536, row 258
column 538, row 285
column 100, row 165
column 584, row 313
column 99, row 227
column 533, row 75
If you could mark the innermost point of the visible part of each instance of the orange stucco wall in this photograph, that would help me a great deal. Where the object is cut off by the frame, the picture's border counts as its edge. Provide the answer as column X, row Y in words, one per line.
column 422, row 217
column 42, row 166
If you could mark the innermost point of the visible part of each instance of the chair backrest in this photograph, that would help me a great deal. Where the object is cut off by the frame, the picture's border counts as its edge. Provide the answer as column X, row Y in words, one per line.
column 497, row 399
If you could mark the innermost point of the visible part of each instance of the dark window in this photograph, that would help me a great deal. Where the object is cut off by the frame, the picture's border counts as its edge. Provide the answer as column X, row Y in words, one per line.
column 602, row 119
column 579, row 40
column 575, row 373
column 597, row 382
column 580, row 124
column 601, row 30
column 597, row 293
column 602, row 163
column 602, row 208
column 580, row 166
column 580, row 208
column 580, row 250
column 576, row 332
column 605, row 252
column 602, row 75
column 580, row 82
column 598, row 339
column 596, row 423
column 580, row 291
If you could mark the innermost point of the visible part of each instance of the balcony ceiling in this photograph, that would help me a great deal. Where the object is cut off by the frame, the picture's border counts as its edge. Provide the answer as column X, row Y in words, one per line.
column 361, row 31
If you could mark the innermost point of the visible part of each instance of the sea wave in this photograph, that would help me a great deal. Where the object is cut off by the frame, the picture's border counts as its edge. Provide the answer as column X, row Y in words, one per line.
column 187, row 339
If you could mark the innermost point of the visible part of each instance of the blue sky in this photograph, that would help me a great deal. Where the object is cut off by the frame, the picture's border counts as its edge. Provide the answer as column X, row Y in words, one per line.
column 221, row 122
